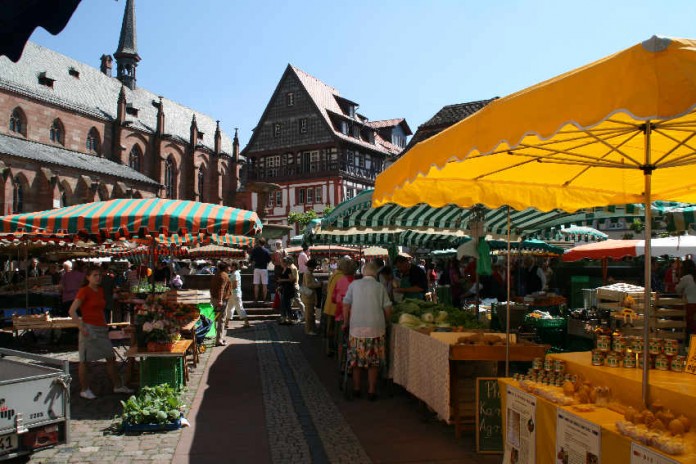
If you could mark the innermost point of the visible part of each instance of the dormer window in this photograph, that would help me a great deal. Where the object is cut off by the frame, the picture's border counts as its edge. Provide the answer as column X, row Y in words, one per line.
column 351, row 111
column 371, row 137
column 200, row 137
column 132, row 110
column 290, row 98
column 74, row 73
column 344, row 127
column 46, row 80
column 356, row 132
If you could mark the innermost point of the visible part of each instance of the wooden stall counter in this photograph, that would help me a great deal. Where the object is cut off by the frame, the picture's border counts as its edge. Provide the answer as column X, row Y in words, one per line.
column 675, row 390
column 614, row 447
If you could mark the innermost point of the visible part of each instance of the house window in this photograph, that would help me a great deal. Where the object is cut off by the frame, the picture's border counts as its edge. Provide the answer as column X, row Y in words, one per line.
column 318, row 196
column 310, row 195
column 356, row 132
column 351, row 111
column 360, row 160
column 169, row 179
column 93, row 141
column 269, row 201
column 272, row 165
column 300, row 196
column 290, row 98
column 368, row 162
column 134, row 158
column 350, row 193
column 17, row 121
column 56, row 132
column 74, row 73
column 201, row 184
column 350, row 158
column 17, row 196
column 344, row 127
column 303, row 125
column 276, row 129
column 279, row 198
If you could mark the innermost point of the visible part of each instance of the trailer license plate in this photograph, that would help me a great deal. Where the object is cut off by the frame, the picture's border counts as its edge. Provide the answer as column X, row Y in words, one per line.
column 8, row 443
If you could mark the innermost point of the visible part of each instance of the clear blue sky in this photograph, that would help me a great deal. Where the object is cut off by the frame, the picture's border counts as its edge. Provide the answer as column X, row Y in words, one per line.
column 395, row 58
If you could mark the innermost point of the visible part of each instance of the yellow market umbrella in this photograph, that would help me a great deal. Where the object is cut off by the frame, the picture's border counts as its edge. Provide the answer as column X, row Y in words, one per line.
column 619, row 130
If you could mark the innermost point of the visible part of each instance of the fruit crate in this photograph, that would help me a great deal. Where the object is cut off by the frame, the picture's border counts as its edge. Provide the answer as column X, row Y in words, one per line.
column 539, row 323
column 159, row 370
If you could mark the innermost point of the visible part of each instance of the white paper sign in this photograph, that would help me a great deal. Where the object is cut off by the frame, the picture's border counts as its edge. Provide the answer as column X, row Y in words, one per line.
column 643, row 455
column 520, row 427
column 578, row 441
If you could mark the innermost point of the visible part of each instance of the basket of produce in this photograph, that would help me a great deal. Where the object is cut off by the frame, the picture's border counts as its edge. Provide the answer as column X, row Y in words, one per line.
column 517, row 313
column 426, row 316
column 155, row 408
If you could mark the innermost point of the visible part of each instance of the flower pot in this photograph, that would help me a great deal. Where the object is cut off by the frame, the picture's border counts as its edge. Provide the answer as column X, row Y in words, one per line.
column 166, row 346
column 152, row 346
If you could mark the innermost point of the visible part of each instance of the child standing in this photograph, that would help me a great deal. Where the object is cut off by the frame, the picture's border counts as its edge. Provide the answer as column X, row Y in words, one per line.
column 235, row 302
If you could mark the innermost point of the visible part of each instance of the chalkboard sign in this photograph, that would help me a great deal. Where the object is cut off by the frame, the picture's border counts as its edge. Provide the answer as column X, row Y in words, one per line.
column 489, row 422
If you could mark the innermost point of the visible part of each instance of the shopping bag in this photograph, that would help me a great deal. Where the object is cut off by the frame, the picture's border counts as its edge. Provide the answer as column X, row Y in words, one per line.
column 276, row 301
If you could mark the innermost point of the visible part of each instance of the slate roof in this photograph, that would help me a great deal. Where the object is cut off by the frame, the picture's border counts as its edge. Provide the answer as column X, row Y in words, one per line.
column 96, row 94
column 444, row 118
column 326, row 98
column 127, row 42
column 58, row 156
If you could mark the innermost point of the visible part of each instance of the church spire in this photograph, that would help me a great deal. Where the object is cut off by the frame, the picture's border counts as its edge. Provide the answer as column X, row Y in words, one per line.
column 127, row 54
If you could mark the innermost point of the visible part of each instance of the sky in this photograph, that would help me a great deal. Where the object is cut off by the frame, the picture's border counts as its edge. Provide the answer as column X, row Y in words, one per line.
column 395, row 58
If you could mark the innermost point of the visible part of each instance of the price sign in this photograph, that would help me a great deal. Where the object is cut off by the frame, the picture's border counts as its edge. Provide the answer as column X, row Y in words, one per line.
column 489, row 423
column 691, row 359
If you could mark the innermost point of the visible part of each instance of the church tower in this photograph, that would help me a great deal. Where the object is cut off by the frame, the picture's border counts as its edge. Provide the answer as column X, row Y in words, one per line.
column 127, row 54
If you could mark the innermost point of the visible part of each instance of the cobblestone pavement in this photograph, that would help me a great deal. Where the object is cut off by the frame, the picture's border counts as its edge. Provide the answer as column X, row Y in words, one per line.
column 93, row 438
column 270, row 396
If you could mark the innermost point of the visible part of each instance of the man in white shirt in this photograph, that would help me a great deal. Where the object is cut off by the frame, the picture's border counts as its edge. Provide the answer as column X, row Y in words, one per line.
column 302, row 260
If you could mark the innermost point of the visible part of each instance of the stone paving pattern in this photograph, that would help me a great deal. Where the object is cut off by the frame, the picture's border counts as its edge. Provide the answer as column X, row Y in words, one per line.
column 271, row 396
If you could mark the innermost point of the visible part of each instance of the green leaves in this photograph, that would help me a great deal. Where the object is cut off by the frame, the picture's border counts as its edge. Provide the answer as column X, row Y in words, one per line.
column 160, row 404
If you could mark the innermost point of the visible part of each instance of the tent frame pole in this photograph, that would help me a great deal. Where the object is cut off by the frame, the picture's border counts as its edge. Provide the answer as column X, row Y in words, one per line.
column 507, row 315
column 647, row 304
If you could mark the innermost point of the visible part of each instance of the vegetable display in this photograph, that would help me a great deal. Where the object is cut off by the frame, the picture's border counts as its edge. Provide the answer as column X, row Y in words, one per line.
column 417, row 314
column 153, row 405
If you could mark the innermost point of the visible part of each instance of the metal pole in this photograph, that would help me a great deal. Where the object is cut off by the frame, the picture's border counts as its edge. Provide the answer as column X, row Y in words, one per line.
column 26, row 275
column 507, row 316
column 647, row 311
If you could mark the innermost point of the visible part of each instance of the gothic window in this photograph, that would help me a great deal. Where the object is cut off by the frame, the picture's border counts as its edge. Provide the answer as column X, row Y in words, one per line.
column 17, row 196
column 93, row 141
column 169, row 179
column 201, row 184
column 17, row 122
column 134, row 158
column 57, row 132
column 63, row 198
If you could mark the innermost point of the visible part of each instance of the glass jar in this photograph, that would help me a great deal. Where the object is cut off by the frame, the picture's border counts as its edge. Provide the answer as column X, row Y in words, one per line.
column 597, row 358
column 629, row 360
column 654, row 346
column 661, row 362
column 604, row 343
column 678, row 363
column 612, row 359
column 671, row 347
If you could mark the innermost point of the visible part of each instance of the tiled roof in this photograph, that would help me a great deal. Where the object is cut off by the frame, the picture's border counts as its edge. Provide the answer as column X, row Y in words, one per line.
column 384, row 123
column 444, row 118
column 96, row 94
column 325, row 97
column 53, row 155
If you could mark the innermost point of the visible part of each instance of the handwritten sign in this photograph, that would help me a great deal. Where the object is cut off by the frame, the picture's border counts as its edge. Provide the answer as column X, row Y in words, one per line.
column 489, row 423
column 691, row 359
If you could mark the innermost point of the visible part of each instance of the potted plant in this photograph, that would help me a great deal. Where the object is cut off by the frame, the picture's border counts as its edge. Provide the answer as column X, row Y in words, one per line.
column 154, row 408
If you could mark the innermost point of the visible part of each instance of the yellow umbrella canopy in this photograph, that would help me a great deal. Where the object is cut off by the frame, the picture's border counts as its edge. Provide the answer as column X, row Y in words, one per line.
column 585, row 138
column 619, row 130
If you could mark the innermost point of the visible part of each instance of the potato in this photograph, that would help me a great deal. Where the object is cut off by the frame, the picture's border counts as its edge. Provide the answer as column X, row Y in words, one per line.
column 676, row 427
column 657, row 426
column 649, row 417
column 568, row 388
column 685, row 420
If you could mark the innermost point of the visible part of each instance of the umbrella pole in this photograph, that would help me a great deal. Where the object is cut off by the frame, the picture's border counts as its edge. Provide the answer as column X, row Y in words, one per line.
column 152, row 266
column 507, row 315
column 647, row 170
column 26, row 275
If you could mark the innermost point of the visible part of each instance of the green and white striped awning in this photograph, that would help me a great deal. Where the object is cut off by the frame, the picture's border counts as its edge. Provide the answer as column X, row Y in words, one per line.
column 407, row 238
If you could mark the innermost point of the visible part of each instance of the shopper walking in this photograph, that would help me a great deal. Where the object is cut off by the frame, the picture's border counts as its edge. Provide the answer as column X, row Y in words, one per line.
column 288, row 289
column 220, row 292
column 93, row 342
column 70, row 283
column 235, row 303
column 366, row 307
column 687, row 289
column 308, row 291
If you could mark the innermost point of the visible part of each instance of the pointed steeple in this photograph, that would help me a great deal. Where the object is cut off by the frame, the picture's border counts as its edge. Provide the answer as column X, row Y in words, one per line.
column 218, row 138
column 127, row 57
column 235, row 146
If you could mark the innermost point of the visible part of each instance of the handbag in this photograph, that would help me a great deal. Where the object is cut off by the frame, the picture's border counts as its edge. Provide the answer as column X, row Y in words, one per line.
column 306, row 291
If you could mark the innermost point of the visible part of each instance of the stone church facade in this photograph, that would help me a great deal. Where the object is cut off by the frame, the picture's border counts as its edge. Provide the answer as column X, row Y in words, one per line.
column 71, row 133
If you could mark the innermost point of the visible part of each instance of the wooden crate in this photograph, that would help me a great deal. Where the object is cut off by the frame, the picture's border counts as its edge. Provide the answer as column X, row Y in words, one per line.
column 188, row 296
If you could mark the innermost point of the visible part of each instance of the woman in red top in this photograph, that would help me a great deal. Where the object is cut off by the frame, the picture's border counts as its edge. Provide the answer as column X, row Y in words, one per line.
column 94, row 343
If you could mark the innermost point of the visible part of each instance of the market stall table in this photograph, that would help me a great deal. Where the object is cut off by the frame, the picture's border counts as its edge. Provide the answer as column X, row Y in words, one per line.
column 614, row 447
column 428, row 366
column 188, row 331
column 179, row 350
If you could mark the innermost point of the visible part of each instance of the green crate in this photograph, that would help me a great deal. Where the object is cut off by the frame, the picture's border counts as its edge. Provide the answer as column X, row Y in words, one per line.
column 555, row 323
column 156, row 371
